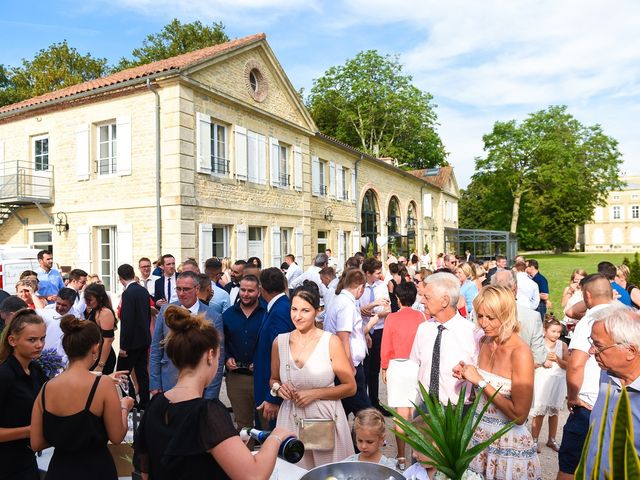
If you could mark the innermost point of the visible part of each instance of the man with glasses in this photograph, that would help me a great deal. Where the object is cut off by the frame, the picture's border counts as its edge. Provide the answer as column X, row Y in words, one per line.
column 615, row 345
column 147, row 280
column 163, row 374
column 583, row 375
column 450, row 262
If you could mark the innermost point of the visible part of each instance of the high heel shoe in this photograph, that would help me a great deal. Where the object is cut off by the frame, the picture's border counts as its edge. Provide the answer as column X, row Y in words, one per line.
column 401, row 463
column 553, row 445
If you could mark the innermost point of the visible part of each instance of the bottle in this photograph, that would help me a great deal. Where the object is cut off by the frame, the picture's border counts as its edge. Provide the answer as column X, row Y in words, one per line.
column 291, row 449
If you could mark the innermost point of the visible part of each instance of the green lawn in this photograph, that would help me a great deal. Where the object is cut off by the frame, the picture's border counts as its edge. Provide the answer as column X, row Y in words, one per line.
column 558, row 268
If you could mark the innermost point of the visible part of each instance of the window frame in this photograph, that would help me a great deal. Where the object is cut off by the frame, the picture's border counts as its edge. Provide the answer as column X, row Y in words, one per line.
column 108, row 278
column 616, row 212
column 112, row 147
column 322, row 240
column 215, row 159
column 34, row 156
column 224, row 243
column 635, row 212
column 322, row 180
column 284, row 180
column 40, row 245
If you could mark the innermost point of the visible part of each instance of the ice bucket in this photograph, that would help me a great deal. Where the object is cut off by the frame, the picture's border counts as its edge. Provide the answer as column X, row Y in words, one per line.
column 352, row 471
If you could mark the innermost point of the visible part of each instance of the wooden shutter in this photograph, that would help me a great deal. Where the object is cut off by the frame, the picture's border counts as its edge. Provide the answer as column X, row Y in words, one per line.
column 82, row 152
column 341, row 252
column 332, row 180
column 262, row 158
column 355, row 242
column 242, row 239
column 274, row 156
column 315, row 175
column 353, row 187
column 299, row 234
column 297, row 160
column 427, row 207
column 276, row 252
column 205, row 243
column 83, row 236
column 339, row 183
column 241, row 152
column 252, row 156
column 123, row 145
column 124, row 238
column 203, row 142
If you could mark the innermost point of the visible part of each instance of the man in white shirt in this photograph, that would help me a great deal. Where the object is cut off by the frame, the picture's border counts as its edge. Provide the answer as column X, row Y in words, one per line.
column 313, row 274
column 528, row 291
column 147, row 280
column 331, row 260
column 343, row 318
column 374, row 301
column 294, row 270
column 583, row 375
column 51, row 314
column 444, row 340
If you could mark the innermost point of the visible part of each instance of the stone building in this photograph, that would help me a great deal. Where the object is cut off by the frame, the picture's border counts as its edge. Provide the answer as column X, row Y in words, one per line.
column 615, row 227
column 207, row 153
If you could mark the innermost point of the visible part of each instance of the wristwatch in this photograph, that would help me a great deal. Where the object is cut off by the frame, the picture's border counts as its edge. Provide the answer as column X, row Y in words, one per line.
column 274, row 389
column 482, row 383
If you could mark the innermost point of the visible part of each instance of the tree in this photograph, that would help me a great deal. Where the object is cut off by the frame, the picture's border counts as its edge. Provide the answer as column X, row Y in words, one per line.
column 53, row 68
column 174, row 39
column 560, row 169
column 370, row 104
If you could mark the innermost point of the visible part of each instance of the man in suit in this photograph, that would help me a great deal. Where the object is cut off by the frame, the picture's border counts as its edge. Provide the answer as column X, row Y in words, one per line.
column 501, row 264
column 165, row 287
column 135, row 337
column 529, row 319
column 233, row 287
column 163, row 374
column 277, row 320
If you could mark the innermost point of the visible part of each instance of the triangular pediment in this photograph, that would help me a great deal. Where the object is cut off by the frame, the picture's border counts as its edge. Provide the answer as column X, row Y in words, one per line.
column 229, row 75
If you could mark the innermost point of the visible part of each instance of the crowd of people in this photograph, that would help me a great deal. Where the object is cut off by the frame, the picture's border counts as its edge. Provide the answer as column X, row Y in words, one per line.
column 300, row 352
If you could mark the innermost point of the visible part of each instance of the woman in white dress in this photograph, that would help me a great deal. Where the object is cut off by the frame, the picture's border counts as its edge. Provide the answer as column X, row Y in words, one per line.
column 505, row 363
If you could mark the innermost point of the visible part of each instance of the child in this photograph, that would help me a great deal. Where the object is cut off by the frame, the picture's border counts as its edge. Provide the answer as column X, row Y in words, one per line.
column 370, row 429
column 550, row 387
column 419, row 471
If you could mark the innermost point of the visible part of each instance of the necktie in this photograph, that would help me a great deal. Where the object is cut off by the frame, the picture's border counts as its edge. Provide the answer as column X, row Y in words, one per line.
column 434, row 381
column 167, row 294
column 372, row 296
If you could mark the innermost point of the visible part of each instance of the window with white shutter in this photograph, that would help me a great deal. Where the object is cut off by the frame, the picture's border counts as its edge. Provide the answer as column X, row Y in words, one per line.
column 427, row 207
column 297, row 160
column 123, row 156
column 274, row 149
column 339, row 182
column 82, row 152
column 276, row 247
column 333, row 191
column 203, row 142
column 353, row 187
column 315, row 176
column 241, row 153
column 241, row 242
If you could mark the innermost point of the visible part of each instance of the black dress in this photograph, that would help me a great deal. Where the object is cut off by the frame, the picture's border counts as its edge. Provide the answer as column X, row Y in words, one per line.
column 110, row 365
column 80, row 442
column 173, row 439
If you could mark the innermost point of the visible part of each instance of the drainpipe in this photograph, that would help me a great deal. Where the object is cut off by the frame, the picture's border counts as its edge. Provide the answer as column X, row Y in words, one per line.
column 158, row 213
column 357, row 201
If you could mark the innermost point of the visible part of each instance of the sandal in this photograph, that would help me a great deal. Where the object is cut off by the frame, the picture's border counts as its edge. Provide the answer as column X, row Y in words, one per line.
column 553, row 445
column 402, row 463
column 535, row 440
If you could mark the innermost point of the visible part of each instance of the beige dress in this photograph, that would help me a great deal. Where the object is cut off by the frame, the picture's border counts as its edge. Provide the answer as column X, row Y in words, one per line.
column 317, row 372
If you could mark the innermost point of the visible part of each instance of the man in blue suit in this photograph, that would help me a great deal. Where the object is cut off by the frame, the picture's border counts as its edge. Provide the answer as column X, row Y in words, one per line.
column 162, row 373
column 277, row 320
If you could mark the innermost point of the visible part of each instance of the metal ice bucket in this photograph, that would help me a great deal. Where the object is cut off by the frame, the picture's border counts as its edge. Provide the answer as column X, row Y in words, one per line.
column 352, row 471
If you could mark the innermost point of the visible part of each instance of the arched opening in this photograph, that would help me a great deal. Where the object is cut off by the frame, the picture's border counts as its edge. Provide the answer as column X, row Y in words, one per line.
column 412, row 222
column 393, row 226
column 369, row 227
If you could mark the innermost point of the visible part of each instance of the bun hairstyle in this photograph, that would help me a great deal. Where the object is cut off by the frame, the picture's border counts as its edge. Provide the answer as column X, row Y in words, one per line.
column 79, row 336
column 309, row 292
column 22, row 318
column 190, row 337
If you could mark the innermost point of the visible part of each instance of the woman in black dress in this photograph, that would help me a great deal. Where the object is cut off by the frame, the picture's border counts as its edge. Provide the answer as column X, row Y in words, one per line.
column 20, row 381
column 78, row 411
column 102, row 314
column 183, row 436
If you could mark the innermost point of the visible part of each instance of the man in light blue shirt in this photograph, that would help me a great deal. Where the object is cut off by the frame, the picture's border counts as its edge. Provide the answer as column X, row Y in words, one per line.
column 49, row 279
column 615, row 343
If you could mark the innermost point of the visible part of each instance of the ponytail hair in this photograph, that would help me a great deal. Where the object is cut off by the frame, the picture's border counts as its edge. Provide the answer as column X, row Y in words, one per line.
column 189, row 338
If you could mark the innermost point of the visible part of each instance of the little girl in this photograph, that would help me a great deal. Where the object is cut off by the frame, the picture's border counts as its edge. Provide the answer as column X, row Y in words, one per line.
column 419, row 471
column 550, row 387
column 370, row 429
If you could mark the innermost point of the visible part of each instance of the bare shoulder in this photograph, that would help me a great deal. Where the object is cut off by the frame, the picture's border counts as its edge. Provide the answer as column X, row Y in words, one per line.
column 521, row 352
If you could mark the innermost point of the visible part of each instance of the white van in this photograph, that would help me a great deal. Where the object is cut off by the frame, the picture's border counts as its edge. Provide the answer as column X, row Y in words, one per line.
column 14, row 261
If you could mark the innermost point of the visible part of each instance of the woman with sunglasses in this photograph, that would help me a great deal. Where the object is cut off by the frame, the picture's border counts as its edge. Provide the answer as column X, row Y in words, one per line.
column 20, row 381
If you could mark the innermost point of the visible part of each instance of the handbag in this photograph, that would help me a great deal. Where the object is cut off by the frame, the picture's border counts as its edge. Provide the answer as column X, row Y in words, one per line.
column 315, row 433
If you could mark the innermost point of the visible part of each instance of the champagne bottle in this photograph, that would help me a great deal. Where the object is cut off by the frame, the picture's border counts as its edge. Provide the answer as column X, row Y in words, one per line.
column 291, row 449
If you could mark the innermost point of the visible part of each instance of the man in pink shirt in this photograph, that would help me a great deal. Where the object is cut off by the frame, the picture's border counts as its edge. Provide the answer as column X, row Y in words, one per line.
column 444, row 340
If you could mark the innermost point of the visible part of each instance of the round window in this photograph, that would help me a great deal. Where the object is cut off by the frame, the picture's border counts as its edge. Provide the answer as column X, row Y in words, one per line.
column 256, row 81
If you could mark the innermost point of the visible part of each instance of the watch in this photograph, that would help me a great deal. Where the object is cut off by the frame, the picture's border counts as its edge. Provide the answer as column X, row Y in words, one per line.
column 274, row 389
column 482, row 383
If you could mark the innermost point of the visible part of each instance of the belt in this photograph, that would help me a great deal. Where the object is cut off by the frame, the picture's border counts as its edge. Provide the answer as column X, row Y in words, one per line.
column 241, row 371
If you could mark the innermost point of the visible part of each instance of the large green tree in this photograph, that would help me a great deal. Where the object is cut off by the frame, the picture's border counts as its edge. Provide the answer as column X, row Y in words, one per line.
column 551, row 168
column 55, row 67
column 174, row 39
column 369, row 103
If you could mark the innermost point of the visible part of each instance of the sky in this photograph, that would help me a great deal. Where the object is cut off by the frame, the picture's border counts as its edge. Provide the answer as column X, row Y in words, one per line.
column 482, row 61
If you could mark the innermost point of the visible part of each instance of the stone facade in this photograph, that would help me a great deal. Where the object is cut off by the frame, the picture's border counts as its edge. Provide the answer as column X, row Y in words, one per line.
column 243, row 172
column 616, row 227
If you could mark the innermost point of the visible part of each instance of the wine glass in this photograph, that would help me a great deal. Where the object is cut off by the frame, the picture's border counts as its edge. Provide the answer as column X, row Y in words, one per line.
column 124, row 385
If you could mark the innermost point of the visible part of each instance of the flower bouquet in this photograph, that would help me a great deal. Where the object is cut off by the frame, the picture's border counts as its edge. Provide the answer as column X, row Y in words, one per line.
column 51, row 362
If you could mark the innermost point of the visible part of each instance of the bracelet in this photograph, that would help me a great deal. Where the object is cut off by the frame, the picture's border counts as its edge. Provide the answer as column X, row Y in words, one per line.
column 101, row 364
column 276, row 437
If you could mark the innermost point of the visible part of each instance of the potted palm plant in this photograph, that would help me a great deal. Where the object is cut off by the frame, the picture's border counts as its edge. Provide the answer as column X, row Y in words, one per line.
column 446, row 438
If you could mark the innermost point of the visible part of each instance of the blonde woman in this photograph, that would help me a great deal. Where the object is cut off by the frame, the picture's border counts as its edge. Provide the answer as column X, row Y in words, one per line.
column 571, row 295
column 622, row 279
column 226, row 271
column 468, row 289
column 505, row 365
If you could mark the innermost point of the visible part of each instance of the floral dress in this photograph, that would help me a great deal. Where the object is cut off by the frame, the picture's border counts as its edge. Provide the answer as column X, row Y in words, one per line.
column 514, row 455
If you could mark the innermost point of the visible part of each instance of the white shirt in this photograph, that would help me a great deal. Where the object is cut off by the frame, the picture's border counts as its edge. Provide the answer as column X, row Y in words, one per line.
column 313, row 274
column 174, row 295
column 528, row 291
column 329, row 296
column 150, row 284
column 376, row 290
column 460, row 341
column 54, row 332
column 580, row 341
column 293, row 272
column 195, row 308
column 344, row 316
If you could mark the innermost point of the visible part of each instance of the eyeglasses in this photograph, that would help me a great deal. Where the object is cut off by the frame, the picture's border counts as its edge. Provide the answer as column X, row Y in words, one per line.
column 184, row 289
column 598, row 350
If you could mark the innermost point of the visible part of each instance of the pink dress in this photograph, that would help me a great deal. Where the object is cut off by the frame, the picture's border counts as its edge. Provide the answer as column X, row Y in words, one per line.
column 317, row 372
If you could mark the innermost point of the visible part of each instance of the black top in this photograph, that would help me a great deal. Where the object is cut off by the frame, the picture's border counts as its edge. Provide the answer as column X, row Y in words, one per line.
column 173, row 439
column 110, row 364
column 80, row 442
column 18, row 392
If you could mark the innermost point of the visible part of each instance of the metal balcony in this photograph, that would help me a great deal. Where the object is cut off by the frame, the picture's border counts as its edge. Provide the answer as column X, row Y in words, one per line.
column 21, row 184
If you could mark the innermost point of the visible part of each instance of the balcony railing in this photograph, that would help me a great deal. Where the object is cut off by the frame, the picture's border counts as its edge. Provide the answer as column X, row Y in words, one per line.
column 21, row 183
